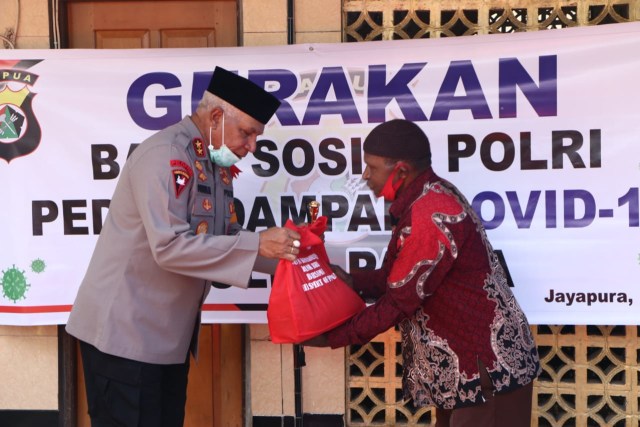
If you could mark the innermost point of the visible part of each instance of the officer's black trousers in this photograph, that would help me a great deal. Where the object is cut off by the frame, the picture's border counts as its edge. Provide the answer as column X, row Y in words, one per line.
column 127, row 393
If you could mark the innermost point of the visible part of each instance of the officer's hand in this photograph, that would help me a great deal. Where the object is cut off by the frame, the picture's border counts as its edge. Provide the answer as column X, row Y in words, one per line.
column 279, row 242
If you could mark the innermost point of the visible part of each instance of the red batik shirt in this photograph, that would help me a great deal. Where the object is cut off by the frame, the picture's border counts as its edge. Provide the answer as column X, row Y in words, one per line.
column 442, row 283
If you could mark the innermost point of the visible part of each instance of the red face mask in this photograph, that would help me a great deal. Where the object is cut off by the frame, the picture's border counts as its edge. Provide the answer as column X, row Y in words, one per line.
column 390, row 188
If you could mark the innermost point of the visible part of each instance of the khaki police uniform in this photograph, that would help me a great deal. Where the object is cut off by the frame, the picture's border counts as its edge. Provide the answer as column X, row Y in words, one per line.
column 170, row 230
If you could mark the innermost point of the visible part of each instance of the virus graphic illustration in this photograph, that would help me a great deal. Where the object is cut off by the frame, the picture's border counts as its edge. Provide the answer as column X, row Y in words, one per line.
column 14, row 284
column 38, row 265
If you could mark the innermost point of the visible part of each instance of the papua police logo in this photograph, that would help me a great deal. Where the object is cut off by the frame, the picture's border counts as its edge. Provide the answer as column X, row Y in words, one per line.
column 20, row 131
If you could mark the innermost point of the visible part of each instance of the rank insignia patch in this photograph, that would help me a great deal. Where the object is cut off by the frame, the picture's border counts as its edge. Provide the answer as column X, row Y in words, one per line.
column 198, row 146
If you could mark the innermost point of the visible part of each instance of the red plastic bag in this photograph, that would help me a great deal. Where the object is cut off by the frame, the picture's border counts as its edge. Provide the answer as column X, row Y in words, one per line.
column 307, row 298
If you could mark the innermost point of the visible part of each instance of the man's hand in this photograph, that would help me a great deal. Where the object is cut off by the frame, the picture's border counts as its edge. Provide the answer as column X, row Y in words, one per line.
column 279, row 242
column 319, row 341
column 342, row 275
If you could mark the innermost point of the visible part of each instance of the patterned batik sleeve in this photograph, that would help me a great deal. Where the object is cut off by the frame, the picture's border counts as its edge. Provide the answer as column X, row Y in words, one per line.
column 428, row 247
column 426, row 250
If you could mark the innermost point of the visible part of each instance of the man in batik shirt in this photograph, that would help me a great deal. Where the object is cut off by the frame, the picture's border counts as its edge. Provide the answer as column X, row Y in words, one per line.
column 466, row 345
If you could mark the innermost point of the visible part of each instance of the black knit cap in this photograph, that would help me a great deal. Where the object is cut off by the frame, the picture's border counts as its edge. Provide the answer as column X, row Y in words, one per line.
column 398, row 139
column 243, row 94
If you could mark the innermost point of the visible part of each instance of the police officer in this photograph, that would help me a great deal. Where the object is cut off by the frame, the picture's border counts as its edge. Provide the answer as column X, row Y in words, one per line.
column 170, row 231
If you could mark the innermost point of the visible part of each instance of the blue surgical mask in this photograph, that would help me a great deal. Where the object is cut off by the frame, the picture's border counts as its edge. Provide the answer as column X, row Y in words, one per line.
column 222, row 156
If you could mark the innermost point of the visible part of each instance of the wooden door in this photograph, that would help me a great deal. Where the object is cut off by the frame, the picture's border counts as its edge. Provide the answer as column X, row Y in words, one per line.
column 151, row 24
column 215, row 392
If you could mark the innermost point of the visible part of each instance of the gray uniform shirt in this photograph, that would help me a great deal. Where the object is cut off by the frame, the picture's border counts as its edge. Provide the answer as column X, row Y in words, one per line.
column 170, row 229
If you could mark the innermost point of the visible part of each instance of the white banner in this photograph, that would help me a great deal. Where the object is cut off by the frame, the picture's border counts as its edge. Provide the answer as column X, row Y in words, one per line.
column 540, row 130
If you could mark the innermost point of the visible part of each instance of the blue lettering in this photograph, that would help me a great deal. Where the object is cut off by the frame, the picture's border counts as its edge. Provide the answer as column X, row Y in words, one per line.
column 550, row 203
column 344, row 105
column 474, row 100
column 201, row 81
column 171, row 103
column 543, row 98
column 579, row 208
column 381, row 93
column 333, row 94
column 523, row 220
column 498, row 204
column 570, row 197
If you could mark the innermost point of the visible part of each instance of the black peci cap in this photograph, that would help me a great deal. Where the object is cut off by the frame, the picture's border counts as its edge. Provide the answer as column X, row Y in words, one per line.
column 243, row 94
column 398, row 139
